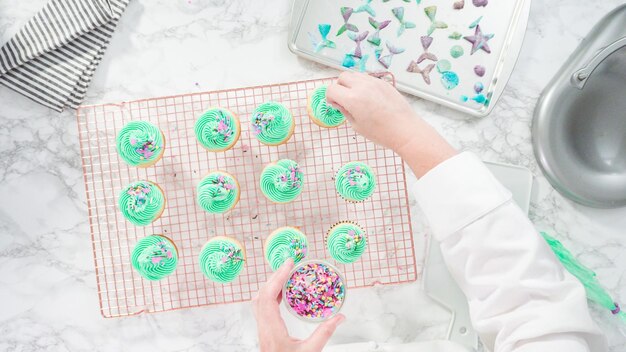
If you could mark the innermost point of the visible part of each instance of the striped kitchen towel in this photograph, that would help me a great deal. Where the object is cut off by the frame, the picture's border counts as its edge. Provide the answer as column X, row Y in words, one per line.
column 52, row 59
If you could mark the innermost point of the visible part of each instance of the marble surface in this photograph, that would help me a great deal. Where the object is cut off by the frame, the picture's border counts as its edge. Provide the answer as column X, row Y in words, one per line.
column 48, row 298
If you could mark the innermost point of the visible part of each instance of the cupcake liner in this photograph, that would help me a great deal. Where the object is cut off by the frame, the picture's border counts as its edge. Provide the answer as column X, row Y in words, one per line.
column 339, row 223
column 351, row 200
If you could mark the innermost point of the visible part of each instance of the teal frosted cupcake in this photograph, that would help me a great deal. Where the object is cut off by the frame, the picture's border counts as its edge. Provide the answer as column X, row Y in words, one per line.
column 355, row 182
column 320, row 112
column 272, row 123
column 142, row 202
column 217, row 129
column 346, row 242
column 222, row 259
column 154, row 257
column 285, row 242
column 140, row 143
column 218, row 192
column 282, row 181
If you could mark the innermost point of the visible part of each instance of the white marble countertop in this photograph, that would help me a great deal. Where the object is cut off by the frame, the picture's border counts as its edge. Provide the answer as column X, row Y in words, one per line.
column 48, row 298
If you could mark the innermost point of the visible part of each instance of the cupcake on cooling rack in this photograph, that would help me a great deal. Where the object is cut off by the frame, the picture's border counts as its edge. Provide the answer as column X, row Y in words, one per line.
column 346, row 241
column 285, row 242
column 222, row 259
column 322, row 113
column 217, row 129
column 142, row 202
column 154, row 257
column 218, row 192
column 355, row 182
column 272, row 123
column 282, row 181
column 140, row 143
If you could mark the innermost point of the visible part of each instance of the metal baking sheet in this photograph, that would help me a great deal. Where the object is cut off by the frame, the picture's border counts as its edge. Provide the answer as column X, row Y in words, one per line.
column 506, row 20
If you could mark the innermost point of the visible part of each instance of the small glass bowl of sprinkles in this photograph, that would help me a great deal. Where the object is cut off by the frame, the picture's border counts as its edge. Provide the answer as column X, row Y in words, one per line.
column 315, row 291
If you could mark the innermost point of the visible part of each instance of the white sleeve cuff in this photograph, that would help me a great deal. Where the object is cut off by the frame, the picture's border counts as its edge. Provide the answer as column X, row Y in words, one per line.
column 457, row 192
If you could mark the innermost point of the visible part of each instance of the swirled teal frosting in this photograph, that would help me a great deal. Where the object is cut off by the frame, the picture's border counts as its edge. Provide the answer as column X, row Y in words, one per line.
column 272, row 123
column 141, row 202
column 355, row 181
column 140, row 143
column 282, row 182
column 154, row 257
column 346, row 242
column 322, row 111
column 222, row 259
column 218, row 192
column 217, row 129
column 285, row 242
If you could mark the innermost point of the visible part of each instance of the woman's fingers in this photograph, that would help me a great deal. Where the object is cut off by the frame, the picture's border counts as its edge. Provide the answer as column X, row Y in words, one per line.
column 347, row 79
column 340, row 98
column 276, row 282
column 322, row 334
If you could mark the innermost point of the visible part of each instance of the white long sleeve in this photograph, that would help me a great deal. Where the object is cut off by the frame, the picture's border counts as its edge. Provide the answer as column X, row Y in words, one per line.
column 520, row 297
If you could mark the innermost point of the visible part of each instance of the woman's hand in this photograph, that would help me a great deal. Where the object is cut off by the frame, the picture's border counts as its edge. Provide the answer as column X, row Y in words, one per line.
column 378, row 112
column 273, row 335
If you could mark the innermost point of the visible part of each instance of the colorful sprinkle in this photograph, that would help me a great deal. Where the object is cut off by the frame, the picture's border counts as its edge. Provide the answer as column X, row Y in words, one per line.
column 456, row 51
column 479, row 41
column 480, row 98
column 315, row 291
column 449, row 80
column 443, row 65
column 458, row 4
column 464, row 98
column 479, row 70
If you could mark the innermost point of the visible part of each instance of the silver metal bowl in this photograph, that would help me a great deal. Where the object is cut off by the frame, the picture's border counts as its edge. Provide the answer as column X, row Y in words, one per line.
column 579, row 126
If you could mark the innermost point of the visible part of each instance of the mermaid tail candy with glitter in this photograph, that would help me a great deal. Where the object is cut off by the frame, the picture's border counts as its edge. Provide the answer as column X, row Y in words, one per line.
column 154, row 257
column 355, row 181
column 346, row 12
column 217, row 129
column 222, row 259
column 374, row 39
column 346, row 242
column 140, row 143
column 282, row 182
column 272, row 123
column 218, row 192
column 141, row 202
column 285, row 242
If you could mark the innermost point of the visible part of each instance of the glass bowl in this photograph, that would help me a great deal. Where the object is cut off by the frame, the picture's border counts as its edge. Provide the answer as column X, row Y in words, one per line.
column 309, row 299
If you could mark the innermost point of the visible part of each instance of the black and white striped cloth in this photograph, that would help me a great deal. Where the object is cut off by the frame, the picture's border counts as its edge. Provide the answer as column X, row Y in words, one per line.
column 52, row 59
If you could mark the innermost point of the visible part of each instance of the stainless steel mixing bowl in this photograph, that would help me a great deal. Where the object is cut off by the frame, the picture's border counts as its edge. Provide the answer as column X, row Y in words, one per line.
column 579, row 126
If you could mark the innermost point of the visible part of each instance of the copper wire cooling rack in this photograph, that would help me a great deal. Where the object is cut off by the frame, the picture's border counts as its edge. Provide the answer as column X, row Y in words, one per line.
column 389, row 257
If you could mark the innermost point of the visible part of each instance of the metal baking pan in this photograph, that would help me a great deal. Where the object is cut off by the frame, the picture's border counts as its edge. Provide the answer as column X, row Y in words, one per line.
column 579, row 126
column 506, row 20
